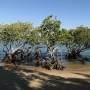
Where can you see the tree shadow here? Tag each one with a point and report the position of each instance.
(61, 83)
(11, 81)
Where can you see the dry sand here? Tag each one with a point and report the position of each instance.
(68, 79)
(74, 77)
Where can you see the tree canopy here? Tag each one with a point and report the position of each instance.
(49, 32)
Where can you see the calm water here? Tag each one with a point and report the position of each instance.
(86, 54)
(62, 51)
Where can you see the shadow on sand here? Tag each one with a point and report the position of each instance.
(60, 83)
(12, 81)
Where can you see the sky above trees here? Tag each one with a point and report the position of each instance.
(71, 13)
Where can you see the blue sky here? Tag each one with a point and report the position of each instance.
(72, 13)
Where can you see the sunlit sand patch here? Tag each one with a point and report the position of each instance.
(65, 74)
(25, 73)
(9, 67)
(36, 83)
(36, 80)
(71, 75)
(41, 76)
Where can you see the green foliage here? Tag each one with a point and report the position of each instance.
(82, 36)
(15, 31)
(65, 37)
(50, 30)
(34, 36)
(14, 35)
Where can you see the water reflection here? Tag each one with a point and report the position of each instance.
(58, 50)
